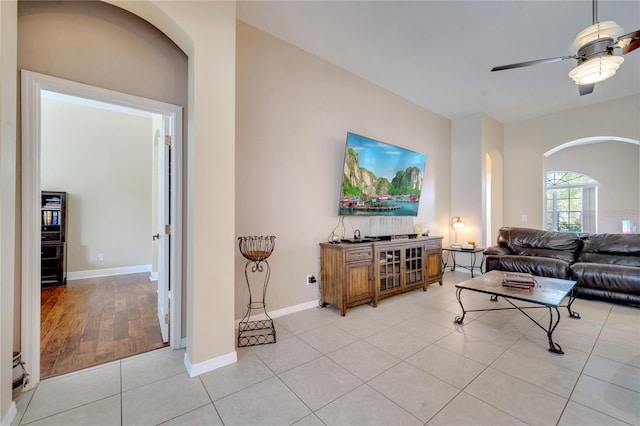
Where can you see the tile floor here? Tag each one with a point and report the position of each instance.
(402, 363)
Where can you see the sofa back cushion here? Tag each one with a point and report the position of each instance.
(535, 242)
(613, 249)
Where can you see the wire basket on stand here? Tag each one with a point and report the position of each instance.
(261, 331)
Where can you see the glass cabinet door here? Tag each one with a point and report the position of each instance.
(414, 271)
(389, 264)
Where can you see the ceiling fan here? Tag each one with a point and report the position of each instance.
(593, 48)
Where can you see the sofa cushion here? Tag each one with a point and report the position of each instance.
(535, 242)
(613, 278)
(540, 266)
(608, 295)
(614, 249)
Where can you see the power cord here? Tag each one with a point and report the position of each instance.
(333, 238)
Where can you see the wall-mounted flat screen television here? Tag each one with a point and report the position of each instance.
(380, 179)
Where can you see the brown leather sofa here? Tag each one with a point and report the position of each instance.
(605, 266)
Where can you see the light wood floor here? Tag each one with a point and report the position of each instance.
(97, 320)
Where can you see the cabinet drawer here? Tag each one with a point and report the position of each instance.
(359, 255)
(433, 244)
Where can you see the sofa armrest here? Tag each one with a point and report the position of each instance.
(495, 251)
(491, 263)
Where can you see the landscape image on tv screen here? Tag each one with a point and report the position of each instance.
(380, 179)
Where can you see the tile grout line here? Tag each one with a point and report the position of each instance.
(583, 374)
(488, 366)
(604, 328)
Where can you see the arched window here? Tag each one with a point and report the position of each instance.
(571, 202)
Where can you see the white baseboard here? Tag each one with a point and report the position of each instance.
(78, 275)
(212, 364)
(295, 308)
(11, 414)
(285, 311)
(153, 276)
(209, 365)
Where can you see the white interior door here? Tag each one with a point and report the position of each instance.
(163, 231)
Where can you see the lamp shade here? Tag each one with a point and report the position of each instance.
(456, 223)
(596, 69)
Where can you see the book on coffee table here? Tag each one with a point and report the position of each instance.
(518, 280)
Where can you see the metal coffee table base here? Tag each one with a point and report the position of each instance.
(553, 319)
(546, 293)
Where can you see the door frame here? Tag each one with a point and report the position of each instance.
(32, 85)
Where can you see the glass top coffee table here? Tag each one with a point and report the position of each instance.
(547, 293)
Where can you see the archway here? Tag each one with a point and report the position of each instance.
(31, 89)
(617, 195)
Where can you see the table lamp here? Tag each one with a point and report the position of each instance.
(456, 224)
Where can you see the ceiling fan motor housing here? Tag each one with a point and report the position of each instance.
(595, 48)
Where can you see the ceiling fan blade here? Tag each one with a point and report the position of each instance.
(629, 42)
(586, 89)
(529, 63)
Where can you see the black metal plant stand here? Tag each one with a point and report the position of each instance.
(256, 332)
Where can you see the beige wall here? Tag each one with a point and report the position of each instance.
(8, 178)
(293, 114)
(493, 202)
(466, 191)
(474, 197)
(206, 31)
(102, 159)
(617, 185)
(527, 141)
(95, 43)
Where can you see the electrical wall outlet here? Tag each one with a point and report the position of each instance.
(100, 256)
(310, 280)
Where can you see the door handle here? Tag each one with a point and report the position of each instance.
(156, 237)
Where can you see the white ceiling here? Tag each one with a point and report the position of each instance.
(439, 54)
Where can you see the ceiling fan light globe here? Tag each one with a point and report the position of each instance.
(606, 29)
(595, 70)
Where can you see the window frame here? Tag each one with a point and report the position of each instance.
(557, 183)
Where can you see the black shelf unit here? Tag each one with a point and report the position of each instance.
(53, 246)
